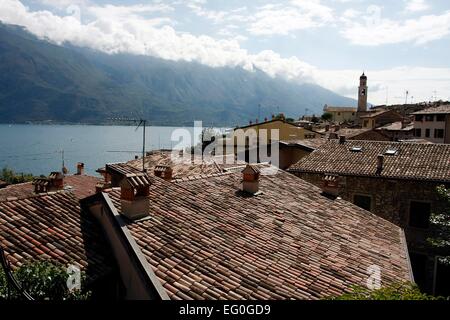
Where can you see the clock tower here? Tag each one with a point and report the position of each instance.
(362, 94)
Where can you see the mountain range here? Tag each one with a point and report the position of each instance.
(44, 82)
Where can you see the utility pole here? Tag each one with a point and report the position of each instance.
(140, 122)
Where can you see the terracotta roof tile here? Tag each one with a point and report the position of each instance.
(53, 227)
(411, 160)
(81, 185)
(208, 240)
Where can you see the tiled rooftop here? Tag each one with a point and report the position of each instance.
(308, 143)
(443, 109)
(81, 185)
(397, 126)
(184, 168)
(411, 161)
(206, 239)
(52, 227)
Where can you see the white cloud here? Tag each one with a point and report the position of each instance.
(416, 5)
(277, 19)
(377, 31)
(133, 29)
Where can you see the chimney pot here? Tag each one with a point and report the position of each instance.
(250, 182)
(80, 168)
(134, 193)
(330, 185)
(56, 181)
(380, 162)
(164, 172)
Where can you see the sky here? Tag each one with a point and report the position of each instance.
(401, 45)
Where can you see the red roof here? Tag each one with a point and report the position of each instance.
(81, 185)
(52, 227)
(205, 239)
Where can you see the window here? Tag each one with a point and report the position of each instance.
(427, 133)
(440, 117)
(353, 113)
(364, 202)
(417, 133)
(419, 214)
(419, 267)
(439, 133)
(339, 113)
(391, 152)
(419, 117)
(429, 117)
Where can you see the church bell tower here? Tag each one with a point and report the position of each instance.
(362, 94)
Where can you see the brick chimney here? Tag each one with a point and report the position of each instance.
(330, 185)
(102, 187)
(164, 172)
(134, 193)
(80, 168)
(250, 182)
(380, 162)
(40, 185)
(56, 181)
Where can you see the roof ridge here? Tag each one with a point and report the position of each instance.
(202, 176)
(36, 195)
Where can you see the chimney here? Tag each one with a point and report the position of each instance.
(136, 157)
(250, 122)
(41, 185)
(327, 128)
(273, 116)
(330, 185)
(134, 196)
(164, 172)
(337, 128)
(56, 181)
(342, 139)
(265, 119)
(102, 187)
(250, 182)
(80, 168)
(380, 162)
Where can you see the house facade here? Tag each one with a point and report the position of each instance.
(433, 124)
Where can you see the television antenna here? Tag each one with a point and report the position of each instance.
(139, 122)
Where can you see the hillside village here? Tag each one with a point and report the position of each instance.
(352, 190)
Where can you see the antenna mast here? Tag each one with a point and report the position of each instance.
(140, 122)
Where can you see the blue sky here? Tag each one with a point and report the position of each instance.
(401, 45)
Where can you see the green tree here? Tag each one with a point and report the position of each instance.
(440, 223)
(43, 280)
(11, 177)
(327, 116)
(397, 291)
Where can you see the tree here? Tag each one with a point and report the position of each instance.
(440, 223)
(327, 116)
(43, 280)
(12, 177)
(397, 291)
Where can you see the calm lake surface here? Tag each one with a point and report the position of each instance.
(37, 148)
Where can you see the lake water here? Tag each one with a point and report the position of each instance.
(37, 148)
